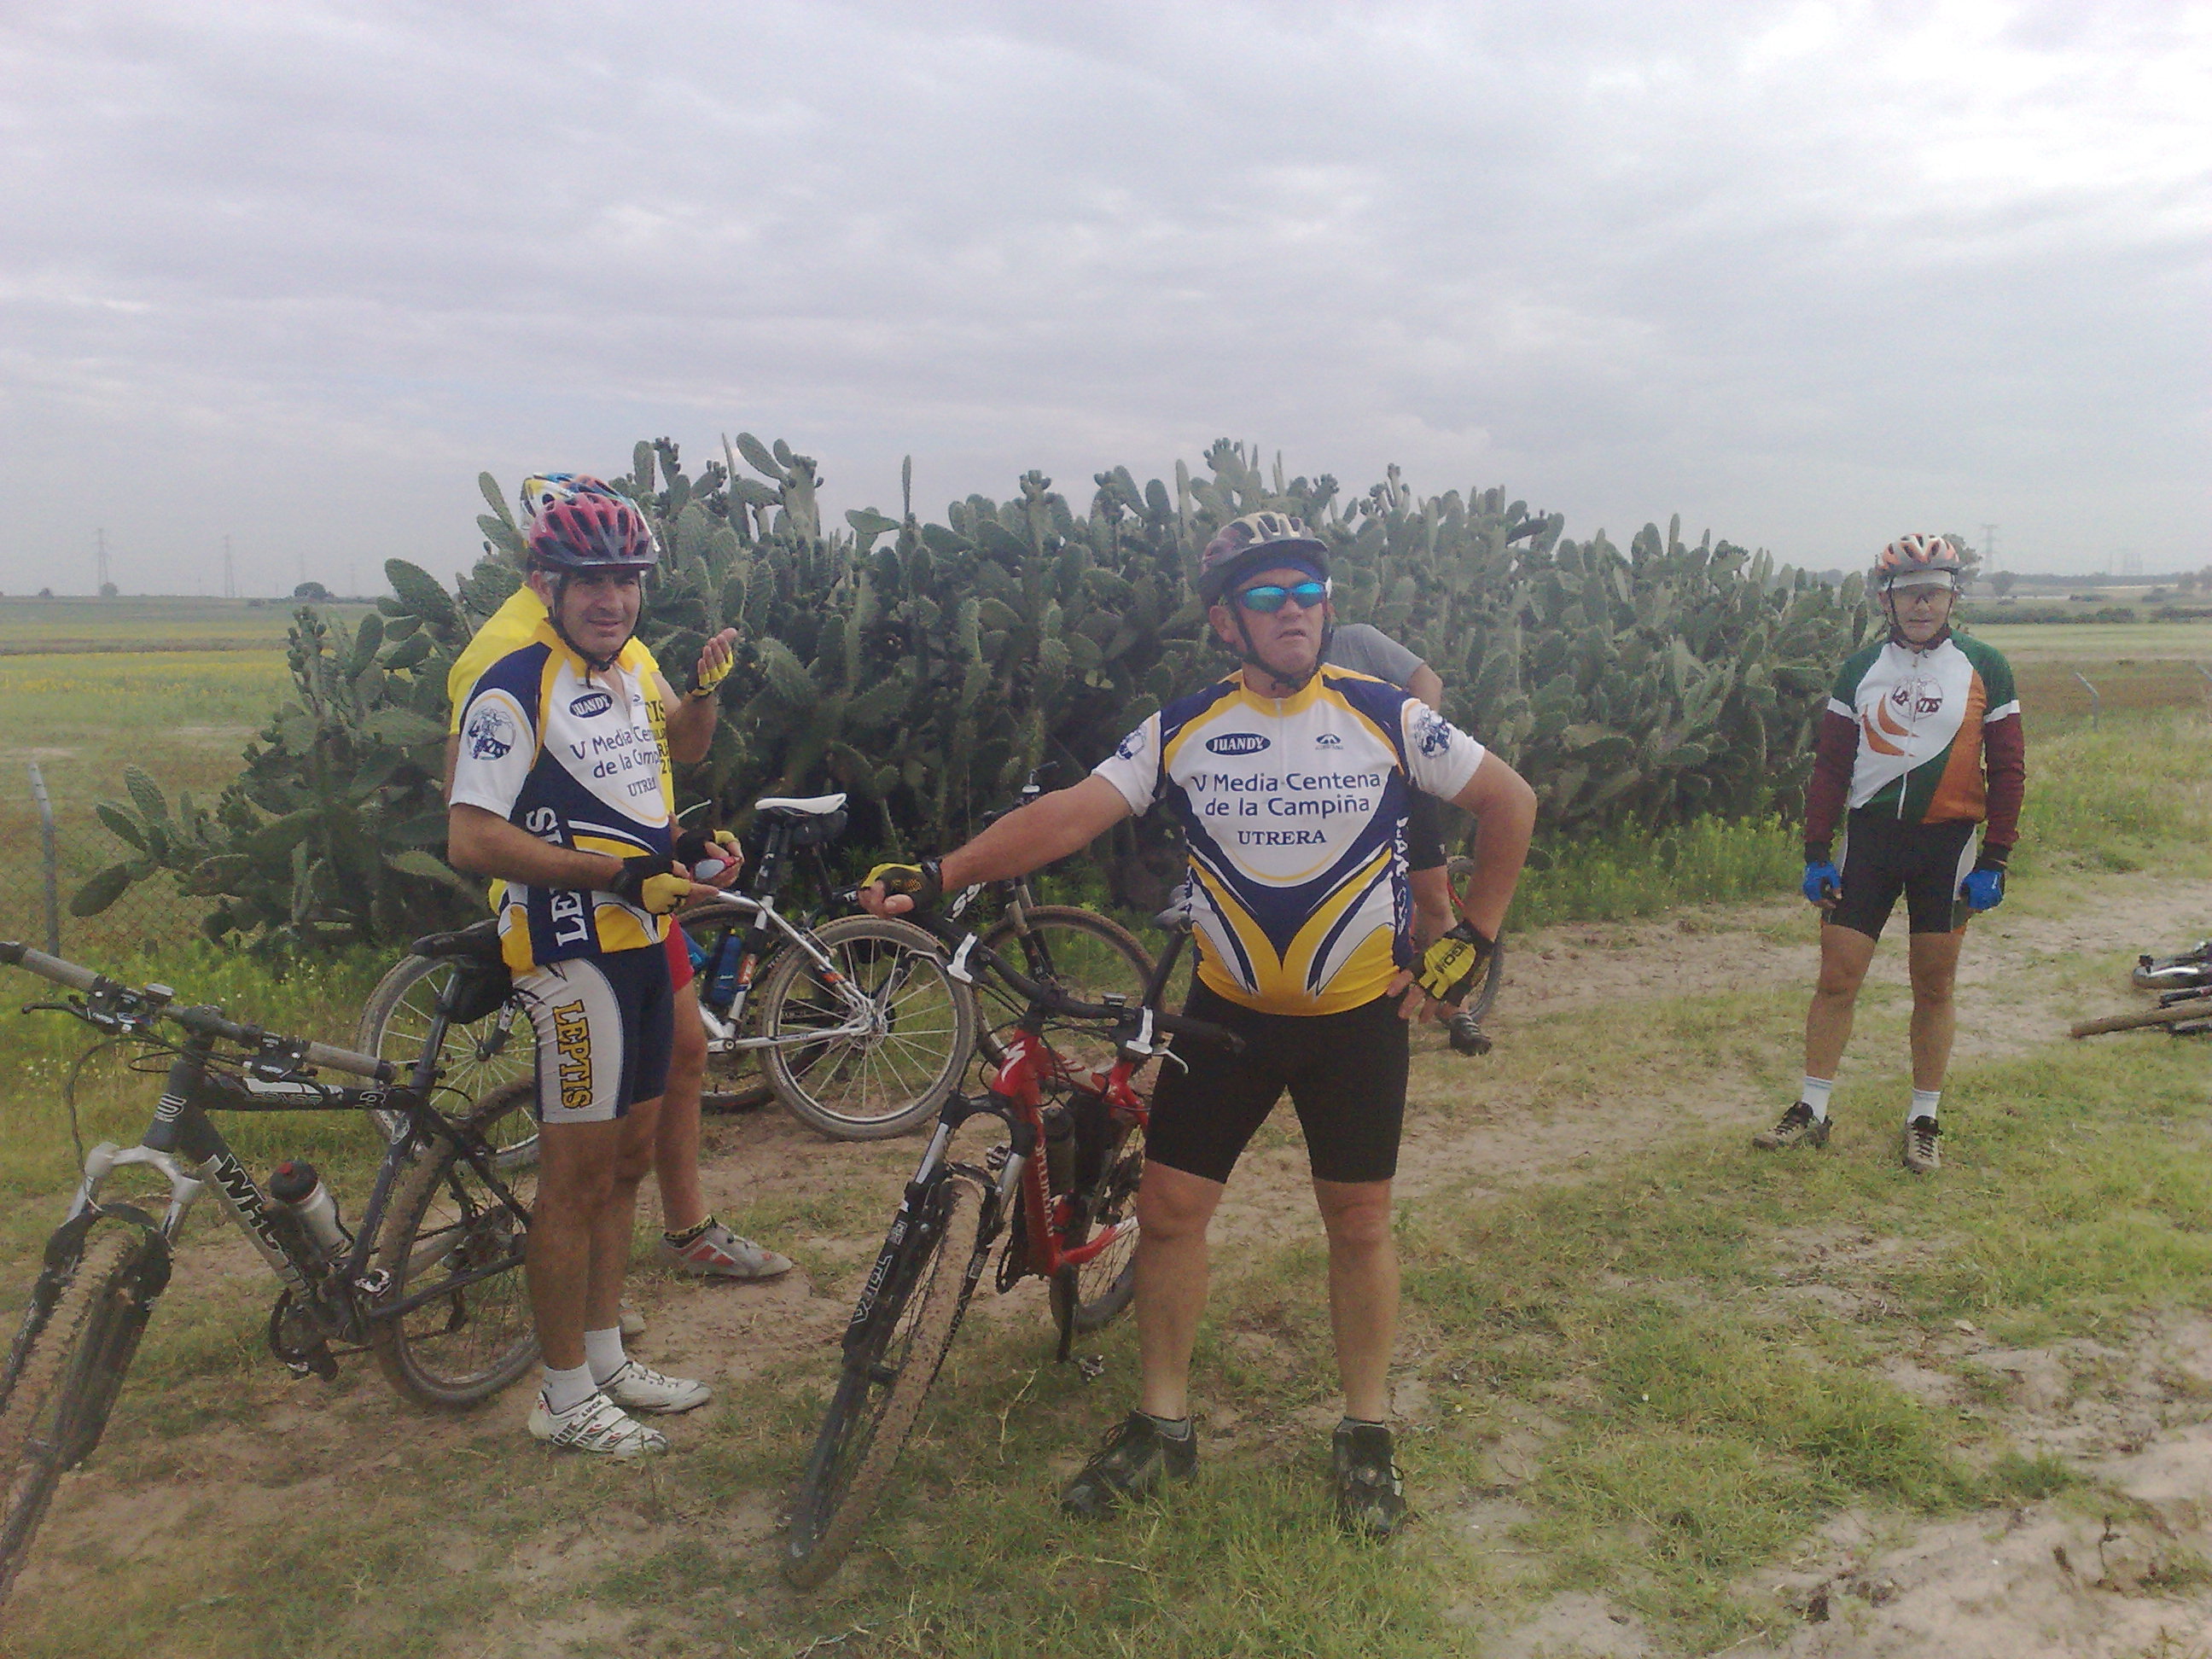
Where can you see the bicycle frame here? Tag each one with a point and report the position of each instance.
(727, 986)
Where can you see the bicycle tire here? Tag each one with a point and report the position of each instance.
(892, 1079)
(1104, 1285)
(460, 1348)
(2197, 1008)
(474, 1059)
(64, 1374)
(880, 1390)
(1076, 950)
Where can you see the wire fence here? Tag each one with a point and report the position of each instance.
(57, 845)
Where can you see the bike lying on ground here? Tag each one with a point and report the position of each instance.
(428, 1281)
(2184, 983)
(2189, 970)
(1061, 1188)
(857, 1028)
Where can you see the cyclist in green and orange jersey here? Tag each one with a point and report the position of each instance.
(1921, 746)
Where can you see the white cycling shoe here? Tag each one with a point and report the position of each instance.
(638, 1387)
(595, 1424)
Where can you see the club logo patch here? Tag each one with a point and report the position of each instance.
(490, 733)
(1431, 731)
(1131, 746)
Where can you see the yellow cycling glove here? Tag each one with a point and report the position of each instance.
(703, 681)
(1449, 966)
(918, 882)
(650, 882)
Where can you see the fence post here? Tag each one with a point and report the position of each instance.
(2096, 702)
(49, 860)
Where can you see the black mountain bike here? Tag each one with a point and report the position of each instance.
(427, 1280)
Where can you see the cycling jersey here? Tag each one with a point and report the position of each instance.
(509, 628)
(575, 758)
(1294, 809)
(1929, 736)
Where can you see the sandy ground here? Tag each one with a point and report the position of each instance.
(2029, 1582)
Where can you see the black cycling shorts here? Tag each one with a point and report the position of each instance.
(604, 1024)
(1346, 1073)
(1884, 856)
(1424, 838)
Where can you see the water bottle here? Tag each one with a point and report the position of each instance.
(1058, 1147)
(299, 1193)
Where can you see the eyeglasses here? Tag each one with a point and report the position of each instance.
(1925, 595)
(1269, 598)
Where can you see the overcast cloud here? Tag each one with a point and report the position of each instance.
(1808, 274)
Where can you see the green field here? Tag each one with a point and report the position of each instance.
(154, 622)
(2100, 642)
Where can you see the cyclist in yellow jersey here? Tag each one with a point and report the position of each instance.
(1291, 781)
(693, 1239)
(557, 791)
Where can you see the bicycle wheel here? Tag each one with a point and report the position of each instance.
(880, 1390)
(1102, 1288)
(450, 1240)
(64, 1373)
(876, 1066)
(1086, 956)
(474, 1059)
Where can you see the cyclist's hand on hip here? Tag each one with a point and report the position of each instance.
(1446, 973)
(650, 882)
(896, 890)
(1824, 882)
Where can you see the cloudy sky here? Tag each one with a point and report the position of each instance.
(1808, 274)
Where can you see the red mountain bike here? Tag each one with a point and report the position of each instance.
(1061, 1188)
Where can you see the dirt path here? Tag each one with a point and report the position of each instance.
(1930, 1594)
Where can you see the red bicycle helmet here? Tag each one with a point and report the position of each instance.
(580, 524)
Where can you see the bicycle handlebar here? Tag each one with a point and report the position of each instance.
(209, 1022)
(966, 946)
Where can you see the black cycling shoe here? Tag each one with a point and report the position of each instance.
(1371, 1493)
(1468, 1036)
(1134, 1461)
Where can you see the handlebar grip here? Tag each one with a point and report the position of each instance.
(1203, 1029)
(345, 1059)
(46, 967)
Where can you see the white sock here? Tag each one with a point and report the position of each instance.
(1924, 1103)
(566, 1390)
(602, 1353)
(1814, 1092)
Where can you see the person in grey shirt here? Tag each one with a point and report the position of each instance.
(1367, 650)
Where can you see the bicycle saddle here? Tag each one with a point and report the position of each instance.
(479, 941)
(807, 806)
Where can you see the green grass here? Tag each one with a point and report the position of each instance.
(2086, 644)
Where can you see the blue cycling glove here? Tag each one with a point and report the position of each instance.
(1824, 882)
(1985, 884)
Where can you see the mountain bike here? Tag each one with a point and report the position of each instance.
(2183, 1012)
(426, 1281)
(855, 1026)
(1061, 1188)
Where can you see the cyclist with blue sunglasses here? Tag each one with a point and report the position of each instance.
(1292, 781)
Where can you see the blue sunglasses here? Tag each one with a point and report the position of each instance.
(1269, 598)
